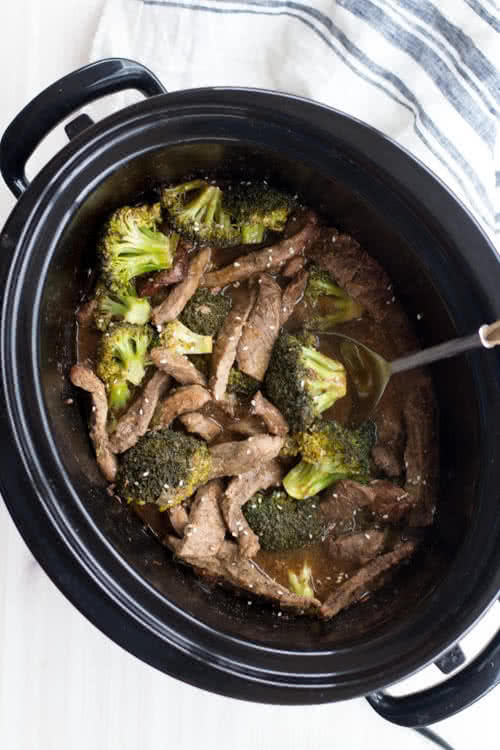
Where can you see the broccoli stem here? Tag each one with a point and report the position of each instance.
(252, 233)
(119, 394)
(306, 480)
(302, 584)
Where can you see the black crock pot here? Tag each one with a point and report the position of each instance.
(96, 551)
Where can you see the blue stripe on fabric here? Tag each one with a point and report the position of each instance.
(484, 14)
(416, 110)
(468, 53)
(428, 60)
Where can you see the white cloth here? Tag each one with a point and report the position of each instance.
(425, 73)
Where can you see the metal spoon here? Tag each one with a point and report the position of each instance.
(370, 372)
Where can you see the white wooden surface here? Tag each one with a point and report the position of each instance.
(64, 685)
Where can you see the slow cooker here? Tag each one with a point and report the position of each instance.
(97, 552)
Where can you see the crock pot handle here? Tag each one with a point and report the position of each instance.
(449, 697)
(60, 100)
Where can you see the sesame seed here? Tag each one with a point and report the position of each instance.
(181, 483)
(141, 412)
(419, 316)
(272, 328)
(244, 348)
(163, 361)
(248, 451)
(237, 317)
(136, 483)
(236, 284)
(250, 585)
(94, 407)
(145, 474)
(334, 239)
(236, 264)
(146, 400)
(280, 613)
(249, 603)
(165, 486)
(393, 299)
(367, 536)
(386, 515)
(69, 401)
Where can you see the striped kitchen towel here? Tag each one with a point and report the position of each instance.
(425, 73)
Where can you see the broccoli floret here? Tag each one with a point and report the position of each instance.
(195, 209)
(338, 307)
(131, 245)
(183, 340)
(302, 584)
(164, 467)
(122, 359)
(330, 452)
(256, 208)
(205, 312)
(282, 523)
(120, 304)
(241, 384)
(302, 382)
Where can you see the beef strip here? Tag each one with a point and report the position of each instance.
(293, 267)
(421, 452)
(178, 366)
(184, 399)
(205, 427)
(135, 422)
(86, 311)
(174, 304)
(261, 330)
(84, 378)
(268, 259)
(292, 295)
(385, 500)
(357, 549)
(365, 580)
(226, 344)
(229, 459)
(387, 461)
(247, 426)
(238, 492)
(178, 517)
(273, 418)
(205, 531)
(151, 284)
(229, 566)
(354, 270)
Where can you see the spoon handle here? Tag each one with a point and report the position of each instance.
(487, 336)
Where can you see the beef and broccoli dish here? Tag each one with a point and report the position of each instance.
(220, 406)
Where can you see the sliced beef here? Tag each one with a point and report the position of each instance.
(226, 344)
(238, 492)
(272, 417)
(229, 459)
(229, 566)
(265, 260)
(388, 502)
(171, 308)
(421, 451)
(178, 366)
(178, 517)
(205, 531)
(293, 267)
(135, 422)
(387, 460)
(357, 549)
(261, 330)
(367, 579)
(354, 270)
(182, 400)
(201, 425)
(247, 426)
(83, 377)
(85, 313)
(151, 284)
(292, 295)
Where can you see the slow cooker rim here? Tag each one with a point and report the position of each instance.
(47, 198)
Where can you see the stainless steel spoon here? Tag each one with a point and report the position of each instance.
(370, 372)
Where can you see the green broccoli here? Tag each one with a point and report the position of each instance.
(122, 359)
(164, 467)
(132, 245)
(255, 208)
(195, 210)
(282, 523)
(206, 312)
(241, 384)
(302, 584)
(183, 340)
(301, 382)
(330, 452)
(336, 305)
(121, 304)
